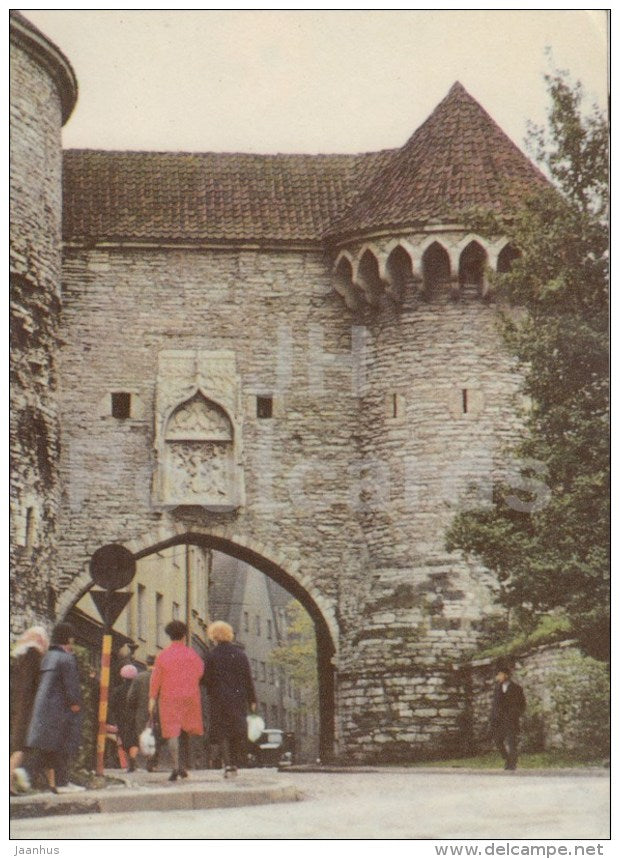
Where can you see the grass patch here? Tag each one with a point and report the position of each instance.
(527, 760)
(549, 629)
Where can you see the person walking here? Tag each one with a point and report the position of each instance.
(28, 652)
(507, 708)
(230, 687)
(138, 708)
(175, 686)
(55, 727)
(122, 716)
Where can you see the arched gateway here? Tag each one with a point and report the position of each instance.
(278, 568)
(281, 347)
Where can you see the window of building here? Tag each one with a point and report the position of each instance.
(269, 630)
(274, 714)
(263, 672)
(257, 625)
(464, 400)
(30, 527)
(246, 621)
(264, 407)
(159, 620)
(141, 597)
(121, 405)
(176, 611)
(272, 675)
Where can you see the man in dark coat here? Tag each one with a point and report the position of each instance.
(230, 687)
(507, 708)
(55, 726)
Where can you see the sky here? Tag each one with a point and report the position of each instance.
(309, 81)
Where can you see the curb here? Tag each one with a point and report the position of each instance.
(163, 799)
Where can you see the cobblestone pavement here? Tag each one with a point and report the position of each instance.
(384, 804)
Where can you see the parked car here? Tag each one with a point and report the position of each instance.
(273, 748)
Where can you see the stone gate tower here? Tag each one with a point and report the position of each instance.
(293, 359)
(43, 94)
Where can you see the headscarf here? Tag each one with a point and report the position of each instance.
(35, 637)
(128, 672)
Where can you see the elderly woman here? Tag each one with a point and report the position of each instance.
(28, 652)
(175, 682)
(55, 727)
(122, 716)
(231, 690)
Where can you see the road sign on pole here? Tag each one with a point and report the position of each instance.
(111, 567)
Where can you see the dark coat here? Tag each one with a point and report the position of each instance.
(121, 715)
(230, 687)
(138, 704)
(24, 682)
(507, 707)
(54, 727)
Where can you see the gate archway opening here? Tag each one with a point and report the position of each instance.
(325, 645)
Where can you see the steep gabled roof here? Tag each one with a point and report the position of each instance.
(457, 159)
(202, 197)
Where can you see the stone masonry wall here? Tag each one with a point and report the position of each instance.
(429, 459)
(370, 551)
(35, 214)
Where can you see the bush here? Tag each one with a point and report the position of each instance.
(85, 759)
(574, 706)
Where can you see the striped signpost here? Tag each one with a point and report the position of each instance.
(111, 567)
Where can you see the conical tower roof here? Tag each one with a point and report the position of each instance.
(457, 159)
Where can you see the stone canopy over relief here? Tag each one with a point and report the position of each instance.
(198, 431)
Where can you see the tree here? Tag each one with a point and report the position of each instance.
(554, 556)
(297, 654)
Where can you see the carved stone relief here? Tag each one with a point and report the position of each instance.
(198, 431)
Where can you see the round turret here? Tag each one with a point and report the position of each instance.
(43, 92)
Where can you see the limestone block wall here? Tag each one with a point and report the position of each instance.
(438, 411)
(354, 497)
(35, 217)
(275, 311)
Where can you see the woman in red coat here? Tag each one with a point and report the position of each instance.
(174, 682)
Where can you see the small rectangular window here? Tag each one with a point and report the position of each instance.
(246, 621)
(464, 396)
(264, 407)
(121, 405)
(269, 630)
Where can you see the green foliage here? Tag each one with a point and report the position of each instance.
(297, 655)
(548, 542)
(85, 757)
(548, 629)
(573, 707)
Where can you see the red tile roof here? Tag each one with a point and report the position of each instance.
(153, 196)
(458, 158)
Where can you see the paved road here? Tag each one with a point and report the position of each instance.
(387, 804)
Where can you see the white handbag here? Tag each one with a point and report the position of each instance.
(256, 726)
(147, 742)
